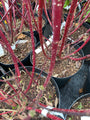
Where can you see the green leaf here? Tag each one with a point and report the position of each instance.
(14, 107)
(80, 106)
(32, 113)
(88, 19)
(67, 2)
(70, 119)
(49, 96)
(41, 87)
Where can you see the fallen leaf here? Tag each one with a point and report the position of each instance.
(47, 102)
(56, 102)
(21, 36)
(80, 90)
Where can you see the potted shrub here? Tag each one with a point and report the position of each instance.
(19, 106)
(63, 70)
(69, 41)
(86, 12)
(21, 49)
(20, 43)
(87, 22)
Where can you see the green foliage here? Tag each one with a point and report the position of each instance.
(67, 2)
(88, 20)
(49, 96)
(70, 118)
(14, 108)
(41, 87)
(80, 106)
(32, 113)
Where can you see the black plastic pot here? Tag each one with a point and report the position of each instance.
(46, 29)
(86, 87)
(25, 62)
(77, 100)
(86, 48)
(43, 17)
(36, 34)
(86, 25)
(63, 81)
(42, 73)
(75, 87)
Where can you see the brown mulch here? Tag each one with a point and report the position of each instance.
(21, 51)
(63, 68)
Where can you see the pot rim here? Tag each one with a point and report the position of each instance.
(29, 68)
(80, 97)
(81, 52)
(11, 65)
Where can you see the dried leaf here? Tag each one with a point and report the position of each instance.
(78, 64)
(47, 102)
(76, 25)
(21, 36)
(80, 90)
(56, 102)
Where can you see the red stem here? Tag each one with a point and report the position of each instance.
(45, 9)
(10, 16)
(5, 113)
(84, 10)
(7, 17)
(53, 117)
(13, 8)
(56, 18)
(80, 24)
(28, 6)
(22, 20)
(68, 22)
(68, 56)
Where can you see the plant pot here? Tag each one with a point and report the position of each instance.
(86, 25)
(86, 49)
(36, 34)
(61, 81)
(46, 29)
(86, 87)
(75, 87)
(82, 102)
(44, 20)
(25, 61)
(42, 75)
